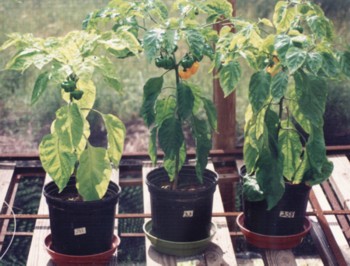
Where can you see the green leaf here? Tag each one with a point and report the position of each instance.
(170, 162)
(151, 91)
(23, 60)
(295, 58)
(210, 110)
(152, 145)
(229, 76)
(259, 90)
(171, 137)
(345, 63)
(291, 148)
(171, 37)
(88, 100)
(185, 100)
(202, 136)
(218, 8)
(321, 27)
(282, 44)
(57, 160)
(93, 173)
(195, 41)
(251, 189)
(311, 95)
(69, 125)
(269, 171)
(330, 64)
(284, 16)
(122, 43)
(152, 41)
(279, 12)
(314, 62)
(40, 86)
(109, 71)
(115, 135)
(316, 149)
(165, 108)
(279, 85)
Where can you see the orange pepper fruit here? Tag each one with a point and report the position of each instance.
(194, 68)
(185, 73)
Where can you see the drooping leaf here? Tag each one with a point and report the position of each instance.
(69, 125)
(93, 173)
(23, 60)
(269, 170)
(321, 27)
(40, 86)
(151, 91)
(295, 58)
(314, 62)
(291, 148)
(57, 160)
(210, 110)
(185, 100)
(195, 42)
(282, 44)
(279, 85)
(251, 189)
(202, 135)
(170, 136)
(345, 63)
(229, 76)
(108, 70)
(311, 93)
(170, 162)
(152, 145)
(165, 108)
(152, 41)
(259, 90)
(171, 37)
(330, 64)
(115, 135)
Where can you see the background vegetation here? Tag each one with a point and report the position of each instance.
(23, 125)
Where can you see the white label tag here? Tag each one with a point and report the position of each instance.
(79, 231)
(187, 214)
(286, 214)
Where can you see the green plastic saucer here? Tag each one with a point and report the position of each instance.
(178, 248)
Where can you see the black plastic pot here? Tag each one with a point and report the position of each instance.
(81, 227)
(181, 215)
(286, 218)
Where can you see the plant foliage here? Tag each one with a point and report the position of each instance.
(293, 55)
(176, 44)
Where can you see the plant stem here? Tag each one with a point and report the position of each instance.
(177, 156)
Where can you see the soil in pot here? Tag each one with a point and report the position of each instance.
(81, 227)
(181, 215)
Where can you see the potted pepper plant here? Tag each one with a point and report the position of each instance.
(176, 45)
(81, 198)
(292, 57)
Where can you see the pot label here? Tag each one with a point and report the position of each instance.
(287, 214)
(79, 231)
(187, 214)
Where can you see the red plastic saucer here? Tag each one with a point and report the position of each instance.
(95, 259)
(273, 242)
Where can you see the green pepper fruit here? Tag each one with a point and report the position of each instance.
(77, 94)
(166, 62)
(187, 61)
(68, 86)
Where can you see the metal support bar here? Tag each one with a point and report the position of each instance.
(326, 229)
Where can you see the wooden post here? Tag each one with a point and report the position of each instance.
(225, 138)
